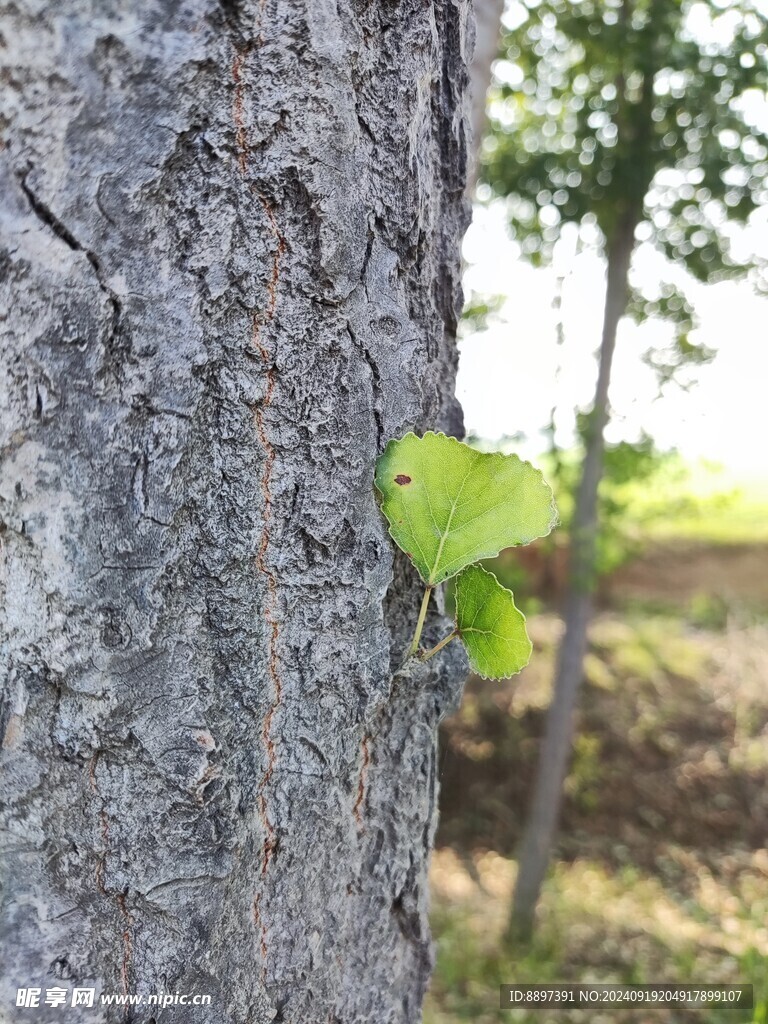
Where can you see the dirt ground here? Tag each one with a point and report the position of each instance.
(681, 571)
(671, 742)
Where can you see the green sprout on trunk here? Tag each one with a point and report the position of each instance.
(448, 506)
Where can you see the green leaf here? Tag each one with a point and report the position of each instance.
(449, 505)
(490, 626)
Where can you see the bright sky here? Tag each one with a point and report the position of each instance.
(508, 375)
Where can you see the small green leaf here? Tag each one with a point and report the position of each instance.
(491, 627)
(449, 505)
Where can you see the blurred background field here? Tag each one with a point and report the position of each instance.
(614, 333)
(660, 870)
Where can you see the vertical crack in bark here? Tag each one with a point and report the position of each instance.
(49, 218)
(361, 785)
(260, 320)
(376, 376)
(120, 900)
(376, 383)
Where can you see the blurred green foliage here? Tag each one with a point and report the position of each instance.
(604, 107)
(478, 312)
(628, 467)
(680, 354)
(633, 121)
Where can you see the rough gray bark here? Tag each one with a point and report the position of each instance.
(555, 751)
(230, 257)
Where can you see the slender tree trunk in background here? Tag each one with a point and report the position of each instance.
(487, 30)
(556, 744)
(231, 272)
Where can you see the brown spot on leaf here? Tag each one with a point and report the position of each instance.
(402, 479)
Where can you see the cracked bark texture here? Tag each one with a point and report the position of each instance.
(229, 254)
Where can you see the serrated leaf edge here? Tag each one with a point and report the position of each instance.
(554, 516)
(495, 679)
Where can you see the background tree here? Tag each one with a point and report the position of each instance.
(487, 29)
(628, 117)
(230, 261)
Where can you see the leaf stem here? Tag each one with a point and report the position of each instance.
(438, 647)
(420, 623)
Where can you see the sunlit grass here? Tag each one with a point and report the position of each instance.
(707, 505)
(597, 925)
(699, 501)
(744, 520)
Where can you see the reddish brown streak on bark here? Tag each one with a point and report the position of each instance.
(101, 868)
(260, 319)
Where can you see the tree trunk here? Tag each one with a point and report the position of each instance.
(487, 28)
(556, 745)
(231, 240)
